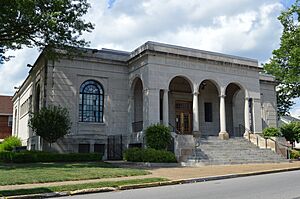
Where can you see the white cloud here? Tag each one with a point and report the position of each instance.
(295, 111)
(14, 72)
(246, 28)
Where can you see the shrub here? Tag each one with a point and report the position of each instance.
(158, 137)
(149, 155)
(51, 123)
(291, 131)
(271, 132)
(295, 154)
(39, 156)
(9, 143)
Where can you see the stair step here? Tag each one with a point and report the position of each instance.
(233, 151)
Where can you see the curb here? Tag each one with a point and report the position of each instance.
(148, 185)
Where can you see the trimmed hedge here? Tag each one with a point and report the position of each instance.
(149, 155)
(39, 156)
(158, 137)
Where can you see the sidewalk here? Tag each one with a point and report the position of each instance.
(182, 173)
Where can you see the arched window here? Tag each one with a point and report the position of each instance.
(91, 102)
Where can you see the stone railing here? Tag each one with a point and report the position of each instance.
(276, 144)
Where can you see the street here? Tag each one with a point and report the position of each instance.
(271, 186)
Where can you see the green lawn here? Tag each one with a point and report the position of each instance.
(78, 186)
(51, 172)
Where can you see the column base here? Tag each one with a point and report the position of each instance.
(224, 135)
(246, 134)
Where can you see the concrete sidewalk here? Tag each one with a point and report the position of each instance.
(182, 173)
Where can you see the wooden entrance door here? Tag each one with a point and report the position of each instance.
(184, 116)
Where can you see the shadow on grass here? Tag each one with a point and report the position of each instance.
(25, 191)
(33, 166)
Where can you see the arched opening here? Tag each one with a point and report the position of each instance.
(91, 103)
(234, 109)
(181, 104)
(137, 124)
(209, 108)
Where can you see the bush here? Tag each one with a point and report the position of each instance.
(271, 132)
(158, 137)
(291, 131)
(39, 156)
(295, 154)
(149, 155)
(9, 143)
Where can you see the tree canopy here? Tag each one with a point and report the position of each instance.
(41, 23)
(285, 61)
(51, 123)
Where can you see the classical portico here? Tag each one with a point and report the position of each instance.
(200, 93)
(206, 109)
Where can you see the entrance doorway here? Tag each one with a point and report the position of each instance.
(184, 115)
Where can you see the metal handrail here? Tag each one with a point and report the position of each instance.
(288, 148)
(175, 130)
(137, 126)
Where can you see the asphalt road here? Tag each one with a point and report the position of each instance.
(270, 186)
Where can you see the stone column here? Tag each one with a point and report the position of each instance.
(195, 113)
(166, 107)
(246, 117)
(223, 133)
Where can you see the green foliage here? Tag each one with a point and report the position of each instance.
(149, 155)
(158, 137)
(285, 61)
(9, 143)
(295, 154)
(291, 131)
(38, 156)
(271, 132)
(51, 123)
(38, 23)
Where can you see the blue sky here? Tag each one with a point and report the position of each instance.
(246, 28)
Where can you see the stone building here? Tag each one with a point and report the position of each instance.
(110, 92)
(6, 116)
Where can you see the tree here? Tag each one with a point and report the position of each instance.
(42, 23)
(51, 123)
(291, 132)
(285, 61)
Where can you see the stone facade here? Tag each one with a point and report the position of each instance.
(193, 91)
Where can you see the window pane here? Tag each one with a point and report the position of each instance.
(208, 111)
(91, 101)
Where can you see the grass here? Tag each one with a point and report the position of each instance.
(78, 187)
(11, 174)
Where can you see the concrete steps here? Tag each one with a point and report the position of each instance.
(213, 151)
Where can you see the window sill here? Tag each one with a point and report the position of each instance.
(92, 123)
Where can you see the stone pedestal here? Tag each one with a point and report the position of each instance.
(223, 135)
(246, 135)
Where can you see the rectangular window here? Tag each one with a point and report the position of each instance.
(83, 148)
(99, 148)
(208, 111)
(10, 120)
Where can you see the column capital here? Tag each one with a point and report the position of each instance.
(195, 93)
(222, 96)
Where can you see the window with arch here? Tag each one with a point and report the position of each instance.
(91, 102)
